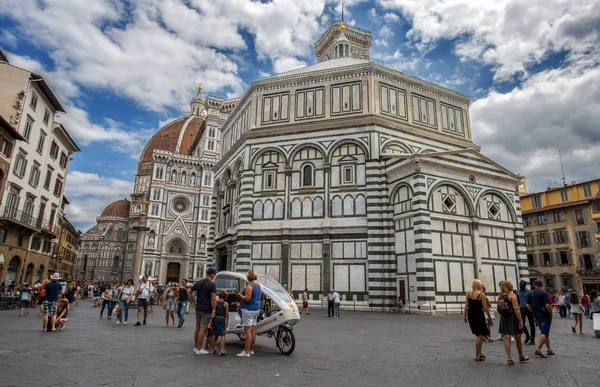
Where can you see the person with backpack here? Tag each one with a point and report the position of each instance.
(511, 321)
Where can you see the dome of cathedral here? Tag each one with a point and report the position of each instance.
(177, 136)
(119, 209)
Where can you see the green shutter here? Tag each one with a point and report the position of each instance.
(569, 257)
(581, 262)
(586, 218)
(557, 258)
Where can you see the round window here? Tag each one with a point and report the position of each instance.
(180, 205)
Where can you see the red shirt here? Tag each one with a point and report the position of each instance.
(585, 300)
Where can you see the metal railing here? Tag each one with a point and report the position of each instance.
(18, 216)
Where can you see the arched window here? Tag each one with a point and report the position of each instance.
(193, 179)
(268, 210)
(174, 176)
(199, 271)
(307, 176)
(183, 177)
(202, 243)
(148, 268)
(115, 263)
(360, 205)
(306, 208)
(278, 209)
(258, 210)
(336, 206)
(158, 173)
(296, 208)
(318, 207)
(348, 205)
(151, 238)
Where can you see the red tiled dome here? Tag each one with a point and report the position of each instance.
(119, 209)
(170, 137)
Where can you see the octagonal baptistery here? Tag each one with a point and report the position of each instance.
(350, 175)
(105, 254)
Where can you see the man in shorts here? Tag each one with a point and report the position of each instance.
(52, 290)
(144, 294)
(542, 310)
(206, 305)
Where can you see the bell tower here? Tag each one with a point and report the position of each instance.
(343, 41)
(197, 105)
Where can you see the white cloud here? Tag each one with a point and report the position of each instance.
(285, 64)
(391, 18)
(90, 193)
(510, 35)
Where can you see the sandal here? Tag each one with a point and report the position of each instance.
(511, 363)
(550, 353)
(540, 354)
(523, 358)
(482, 358)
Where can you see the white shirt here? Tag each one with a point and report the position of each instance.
(336, 297)
(561, 300)
(146, 288)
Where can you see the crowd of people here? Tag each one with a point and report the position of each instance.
(519, 307)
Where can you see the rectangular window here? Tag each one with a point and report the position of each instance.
(544, 238)
(34, 100)
(452, 119)
(269, 180)
(275, 108)
(564, 257)
(529, 240)
(423, 110)
(561, 237)
(63, 160)
(530, 260)
(583, 239)
(20, 165)
(348, 174)
(541, 219)
(547, 259)
(58, 186)
(211, 145)
(28, 128)
(6, 148)
(392, 101)
(48, 178)
(211, 132)
(564, 195)
(40, 145)
(536, 201)
(559, 217)
(34, 175)
(46, 117)
(587, 190)
(54, 150)
(204, 214)
(579, 218)
(587, 262)
(346, 98)
(596, 206)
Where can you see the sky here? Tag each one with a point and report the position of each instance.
(122, 69)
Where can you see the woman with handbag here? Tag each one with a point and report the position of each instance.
(125, 297)
(511, 321)
(169, 302)
(107, 300)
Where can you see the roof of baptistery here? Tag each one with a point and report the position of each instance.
(177, 136)
(118, 209)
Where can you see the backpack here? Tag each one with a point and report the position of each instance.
(505, 306)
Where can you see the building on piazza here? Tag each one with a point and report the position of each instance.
(351, 175)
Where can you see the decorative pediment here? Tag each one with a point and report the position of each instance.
(177, 229)
(270, 165)
(348, 159)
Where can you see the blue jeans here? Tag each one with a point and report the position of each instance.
(106, 303)
(181, 305)
(336, 308)
(123, 306)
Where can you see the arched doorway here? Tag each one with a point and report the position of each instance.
(29, 273)
(173, 269)
(13, 269)
(40, 273)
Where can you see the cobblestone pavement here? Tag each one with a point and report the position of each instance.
(360, 349)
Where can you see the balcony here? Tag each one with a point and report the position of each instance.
(48, 227)
(19, 218)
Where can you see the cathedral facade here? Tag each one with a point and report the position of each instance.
(344, 174)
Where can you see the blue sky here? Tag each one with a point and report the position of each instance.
(124, 68)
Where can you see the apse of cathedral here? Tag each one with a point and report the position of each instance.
(344, 174)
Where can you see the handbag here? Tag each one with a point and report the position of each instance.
(116, 310)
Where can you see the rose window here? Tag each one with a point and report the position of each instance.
(180, 205)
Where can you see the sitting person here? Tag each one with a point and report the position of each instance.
(398, 305)
(62, 312)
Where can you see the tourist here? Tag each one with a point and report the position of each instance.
(71, 294)
(107, 300)
(97, 294)
(476, 308)
(250, 300)
(50, 292)
(330, 310)
(398, 305)
(41, 295)
(511, 322)
(169, 301)
(336, 303)
(25, 296)
(91, 292)
(36, 293)
(585, 302)
(542, 310)
(221, 321)
(594, 303)
(206, 305)
(62, 314)
(489, 320)
(125, 297)
(567, 293)
(182, 303)
(524, 296)
(562, 305)
(144, 294)
(304, 301)
(577, 312)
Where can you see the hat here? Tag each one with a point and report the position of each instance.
(55, 277)
(211, 270)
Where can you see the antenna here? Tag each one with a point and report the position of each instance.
(562, 168)
(342, 11)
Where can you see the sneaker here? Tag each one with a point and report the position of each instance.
(499, 337)
(222, 353)
(252, 353)
(243, 354)
(532, 342)
(137, 324)
(125, 323)
(118, 323)
(144, 322)
(202, 352)
(512, 339)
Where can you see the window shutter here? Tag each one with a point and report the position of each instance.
(585, 216)
(589, 238)
(593, 262)
(537, 239)
(557, 257)
(581, 263)
(574, 218)
(569, 258)
(578, 240)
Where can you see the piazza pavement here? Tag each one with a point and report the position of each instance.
(360, 349)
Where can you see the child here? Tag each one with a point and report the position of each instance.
(220, 322)
(62, 312)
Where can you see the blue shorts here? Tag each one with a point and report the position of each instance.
(218, 327)
(544, 325)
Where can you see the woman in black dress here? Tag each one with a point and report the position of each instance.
(511, 322)
(475, 307)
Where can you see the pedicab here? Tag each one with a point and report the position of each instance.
(279, 313)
